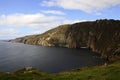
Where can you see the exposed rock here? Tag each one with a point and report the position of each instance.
(28, 68)
(101, 36)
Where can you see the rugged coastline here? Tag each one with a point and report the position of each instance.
(101, 36)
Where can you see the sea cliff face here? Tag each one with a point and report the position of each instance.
(102, 36)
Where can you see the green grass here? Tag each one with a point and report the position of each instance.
(109, 72)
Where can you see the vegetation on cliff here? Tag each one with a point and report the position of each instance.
(104, 72)
(102, 36)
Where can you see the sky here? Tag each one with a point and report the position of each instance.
(26, 17)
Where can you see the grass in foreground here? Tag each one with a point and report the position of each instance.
(109, 72)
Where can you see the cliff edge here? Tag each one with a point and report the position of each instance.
(102, 36)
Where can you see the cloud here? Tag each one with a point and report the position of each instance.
(53, 12)
(9, 33)
(30, 20)
(37, 23)
(88, 6)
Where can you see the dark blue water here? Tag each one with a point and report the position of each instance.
(14, 56)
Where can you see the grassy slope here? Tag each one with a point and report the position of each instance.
(109, 72)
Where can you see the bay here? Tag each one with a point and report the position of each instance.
(14, 56)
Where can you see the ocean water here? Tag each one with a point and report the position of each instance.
(14, 56)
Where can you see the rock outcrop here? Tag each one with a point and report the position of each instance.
(102, 36)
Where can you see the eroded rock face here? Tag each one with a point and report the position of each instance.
(101, 36)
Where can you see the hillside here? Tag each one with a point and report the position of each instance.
(109, 72)
(102, 36)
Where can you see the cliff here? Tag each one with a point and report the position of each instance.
(102, 36)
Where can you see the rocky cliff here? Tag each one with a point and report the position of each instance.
(102, 36)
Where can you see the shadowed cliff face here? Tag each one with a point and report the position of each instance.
(101, 36)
